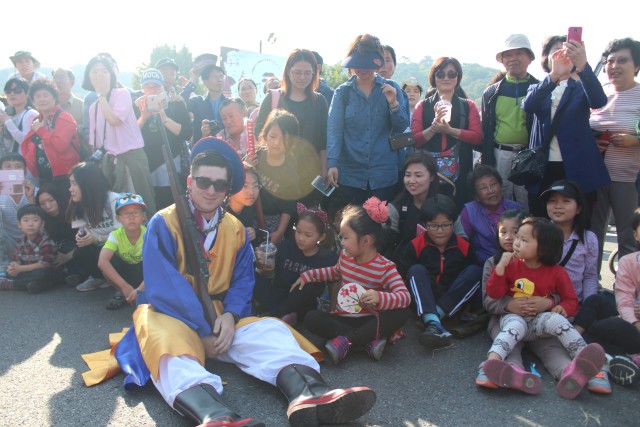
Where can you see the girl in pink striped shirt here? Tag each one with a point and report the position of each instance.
(386, 298)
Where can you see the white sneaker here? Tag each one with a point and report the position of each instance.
(90, 284)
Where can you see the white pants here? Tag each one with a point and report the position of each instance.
(261, 349)
(509, 190)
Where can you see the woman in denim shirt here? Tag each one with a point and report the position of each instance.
(365, 110)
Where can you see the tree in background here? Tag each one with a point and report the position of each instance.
(183, 58)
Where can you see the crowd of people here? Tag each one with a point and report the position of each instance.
(434, 229)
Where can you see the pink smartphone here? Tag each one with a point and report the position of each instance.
(575, 33)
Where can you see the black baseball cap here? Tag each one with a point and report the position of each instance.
(167, 61)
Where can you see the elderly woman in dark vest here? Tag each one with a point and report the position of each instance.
(448, 137)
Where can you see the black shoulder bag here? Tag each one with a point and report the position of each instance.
(528, 165)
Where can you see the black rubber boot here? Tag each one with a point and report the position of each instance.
(204, 406)
(312, 402)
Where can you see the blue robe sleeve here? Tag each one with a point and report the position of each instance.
(238, 297)
(166, 288)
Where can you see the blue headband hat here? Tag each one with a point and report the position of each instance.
(228, 153)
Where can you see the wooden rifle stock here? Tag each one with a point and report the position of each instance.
(196, 261)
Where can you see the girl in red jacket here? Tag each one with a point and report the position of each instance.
(532, 270)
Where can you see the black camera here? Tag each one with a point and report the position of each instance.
(36, 139)
(215, 126)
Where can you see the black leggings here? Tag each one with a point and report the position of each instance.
(86, 258)
(599, 318)
(276, 300)
(358, 330)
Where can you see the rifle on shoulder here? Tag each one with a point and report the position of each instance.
(196, 261)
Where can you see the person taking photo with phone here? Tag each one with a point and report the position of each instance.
(153, 110)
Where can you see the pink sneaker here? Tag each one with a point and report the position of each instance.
(337, 348)
(582, 368)
(504, 374)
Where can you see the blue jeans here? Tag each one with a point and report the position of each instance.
(428, 294)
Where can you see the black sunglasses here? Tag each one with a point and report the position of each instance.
(219, 185)
(452, 74)
(16, 90)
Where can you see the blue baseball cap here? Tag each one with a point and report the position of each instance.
(151, 75)
(129, 199)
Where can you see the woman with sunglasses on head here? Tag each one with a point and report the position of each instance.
(16, 118)
(619, 142)
(92, 211)
(447, 125)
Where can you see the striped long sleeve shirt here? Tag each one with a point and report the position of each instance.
(379, 274)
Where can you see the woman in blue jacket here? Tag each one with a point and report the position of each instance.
(570, 89)
(364, 111)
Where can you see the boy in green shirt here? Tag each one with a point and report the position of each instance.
(124, 269)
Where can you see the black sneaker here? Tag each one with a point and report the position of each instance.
(37, 286)
(623, 370)
(435, 336)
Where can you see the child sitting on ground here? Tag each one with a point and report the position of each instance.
(532, 270)
(385, 298)
(124, 269)
(30, 267)
(9, 204)
(439, 269)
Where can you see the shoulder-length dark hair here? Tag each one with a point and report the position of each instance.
(549, 237)
(109, 65)
(428, 162)
(60, 195)
(546, 50)
(298, 55)
(438, 65)
(94, 189)
(287, 123)
(43, 84)
(626, 43)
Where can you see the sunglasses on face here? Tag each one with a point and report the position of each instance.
(16, 90)
(219, 185)
(452, 74)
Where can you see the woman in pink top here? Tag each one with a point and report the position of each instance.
(114, 131)
(615, 125)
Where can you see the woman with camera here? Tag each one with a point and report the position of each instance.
(52, 146)
(17, 117)
(113, 129)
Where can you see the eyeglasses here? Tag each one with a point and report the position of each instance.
(619, 61)
(255, 187)
(134, 214)
(16, 90)
(300, 73)
(452, 74)
(443, 227)
(219, 185)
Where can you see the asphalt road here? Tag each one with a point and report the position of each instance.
(41, 385)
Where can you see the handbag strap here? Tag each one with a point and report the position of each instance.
(554, 125)
(567, 257)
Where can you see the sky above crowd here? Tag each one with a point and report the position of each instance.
(71, 32)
